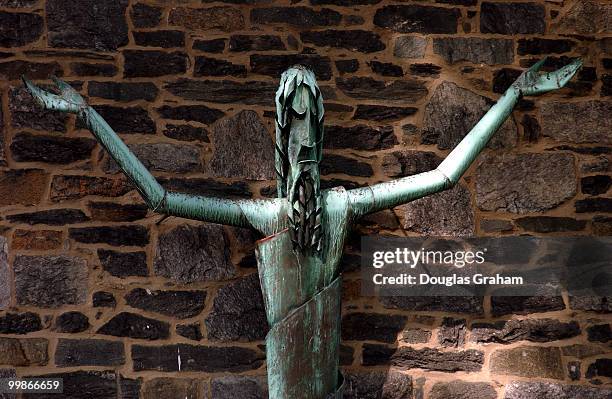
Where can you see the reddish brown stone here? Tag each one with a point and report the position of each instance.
(37, 240)
(74, 186)
(22, 186)
(225, 19)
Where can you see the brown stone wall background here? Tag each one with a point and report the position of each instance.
(93, 288)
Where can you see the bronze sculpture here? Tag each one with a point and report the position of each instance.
(305, 226)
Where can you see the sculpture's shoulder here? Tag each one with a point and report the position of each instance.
(268, 216)
(336, 208)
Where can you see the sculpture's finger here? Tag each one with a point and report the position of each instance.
(532, 83)
(566, 73)
(49, 100)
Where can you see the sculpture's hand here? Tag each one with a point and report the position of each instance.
(390, 194)
(259, 214)
(70, 101)
(534, 83)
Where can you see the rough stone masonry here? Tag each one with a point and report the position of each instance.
(94, 290)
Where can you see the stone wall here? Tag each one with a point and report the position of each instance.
(98, 290)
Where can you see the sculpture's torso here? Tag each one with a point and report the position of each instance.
(302, 296)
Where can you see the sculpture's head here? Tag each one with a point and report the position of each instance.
(299, 147)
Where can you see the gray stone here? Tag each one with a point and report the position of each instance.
(378, 384)
(238, 43)
(50, 281)
(123, 91)
(18, 29)
(534, 330)
(28, 147)
(123, 264)
(381, 113)
(190, 331)
(550, 224)
(145, 16)
(549, 390)
(89, 352)
(600, 368)
(13, 70)
(189, 253)
(238, 312)
(128, 120)
(586, 17)
(470, 304)
(503, 303)
(224, 91)
(296, 15)
(25, 113)
(179, 304)
(474, 49)
(364, 41)
(452, 214)
(372, 327)
(578, 122)
(17, 3)
(332, 163)
(71, 322)
(415, 336)
(91, 24)
(495, 225)
(210, 359)
(597, 164)
(5, 275)
(359, 137)
(133, 325)
(512, 18)
(20, 323)
(132, 234)
(417, 18)
(53, 217)
(452, 332)
(274, 65)
(453, 111)
(163, 157)
(405, 90)
(243, 148)
(410, 47)
(164, 387)
(406, 358)
(601, 304)
(521, 183)
(236, 386)
(528, 361)
(91, 384)
(153, 63)
(582, 351)
(458, 389)
(409, 162)
(7, 373)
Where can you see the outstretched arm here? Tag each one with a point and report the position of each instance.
(396, 192)
(245, 213)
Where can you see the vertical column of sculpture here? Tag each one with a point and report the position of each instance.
(298, 266)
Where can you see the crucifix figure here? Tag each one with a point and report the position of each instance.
(305, 227)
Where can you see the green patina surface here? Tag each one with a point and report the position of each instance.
(305, 226)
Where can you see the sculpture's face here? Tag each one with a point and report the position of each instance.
(299, 136)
